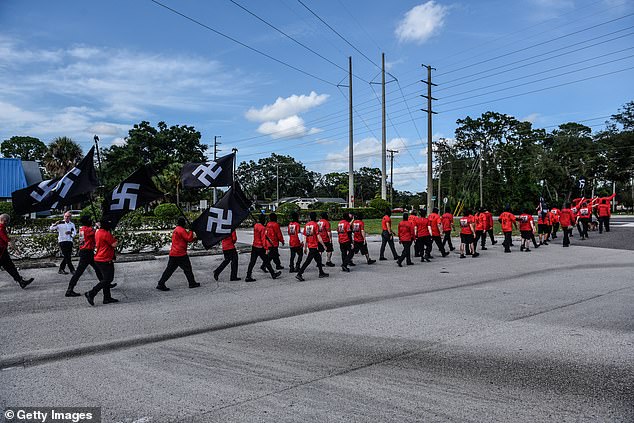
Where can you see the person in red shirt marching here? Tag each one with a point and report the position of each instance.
(105, 244)
(527, 229)
(554, 221)
(435, 223)
(467, 229)
(566, 219)
(313, 241)
(387, 235)
(178, 256)
(603, 212)
(86, 255)
(543, 227)
(447, 225)
(344, 236)
(423, 236)
(360, 241)
(489, 225)
(295, 243)
(259, 250)
(230, 256)
(413, 218)
(5, 259)
(324, 231)
(274, 238)
(480, 229)
(585, 214)
(405, 237)
(507, 221)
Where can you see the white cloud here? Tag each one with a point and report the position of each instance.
(421, 22)
(119, 142)
(286, 107)
(290, 127)
(106, 129)
(530, 118)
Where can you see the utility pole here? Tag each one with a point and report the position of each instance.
(350, 140)
(277, 183)
(430, 184)
(216, 143)
(235, 163)
(481, 201)
(392, 152)
(383, 133)
(440, 150)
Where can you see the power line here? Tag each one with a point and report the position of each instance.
(215, 31)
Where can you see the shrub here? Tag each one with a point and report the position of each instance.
(380, 204)
(7, 207)
(167, 211)
(287, 208)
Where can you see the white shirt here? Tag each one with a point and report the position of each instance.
(62, 228)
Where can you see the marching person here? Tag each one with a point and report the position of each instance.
(584, 218)
(387, 235)
(295, 242)
(259, 250)
(507, 221)
(405, 237)
(542, 227)
(5, 259)
(480, 227)
(105, 244)
(554, 221)
(324, 231)
(86, 255)
(230, 256)
(467, 229)
(447, 226)
(65, 232)
(527, 230)
(435, 222)
(274, 238)
(489, 225)
(360, 240)
(313, 241)
(344, 236)
(566, 219)
(413, 218)
(423, 237)
(603, 212)
(178, 256)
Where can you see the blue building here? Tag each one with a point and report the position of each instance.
(17, 174)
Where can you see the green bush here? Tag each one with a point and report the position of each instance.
(167, 211)
(37, 246)
(380, 204)
(287, 208)
(7, 207)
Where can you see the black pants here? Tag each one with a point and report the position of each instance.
(507, 241)
(231, 256)
(567, 232)
(438, 242)
(584, 227)
(447, 239)
(604, 220)
(406, 254)
(257, 252)
(86, 258)
(387, 238)
(313, 253)
(274, 256)
(480, 236)
(7, 264)
(554, 230)
(299, 253)
(419, 247)
(490, 232)
(533, 239)
(579, 229)
(175, 262)
(107, 276)
(66, 247)
(347, 253)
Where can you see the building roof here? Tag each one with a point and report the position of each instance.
(32, 172)
(11, 176)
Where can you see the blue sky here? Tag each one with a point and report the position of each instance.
(77, 68)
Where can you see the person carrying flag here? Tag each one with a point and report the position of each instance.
(5, 259)
(344, 236)
(295, 242)
(86, 255)
(230, 256)
(105, 244)
(324, 231)
(274, 238)
(313, 241)
(447, 226)
(178, 256)
(259, 250)
(360, 241)
(507, 221)
(65, 232)
(387, 235)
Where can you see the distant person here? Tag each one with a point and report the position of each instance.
(435, 223)
(480, 229)
(423, 237)
(313, 241)
(566, 219)
(295, 242)
(324, 230)
(5, 259)
(555, 222)
(507, 222)
(387, 235)
(603, 212)
(178, 256)
(65, 232)
(585, 214)
(543, 227)
(274, 238)
(489, 225)
(467, 231)
(230, 257)
(360, 239)
(527, 230)
(344, 236)
(447, 226)
(86, 255)
(105, 245)
(259, 251)
(405, 237)
(413, 218)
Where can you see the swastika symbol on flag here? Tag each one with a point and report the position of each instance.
(216, 217)
(121, 194)
(44, 188)
(65, 184)
(207, 174)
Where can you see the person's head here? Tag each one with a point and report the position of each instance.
(584, 204)
(294, 216)
(423, 213)
(405, 216)
(5, 219)
(272, 217)
(324, 215)
(481, 210)
(312, 216)
(359, 216)
(388, 211)
(85, 220)
(105, 224)
(524, 210)
(67, 216)
(447, 210)
(413, 213)
(262, 219)
(435, 210)
(181, 221)
(507, 208)
(345, 216)
(467, 212)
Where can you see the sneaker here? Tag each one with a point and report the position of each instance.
(194, 285)
(527, 250)
(493, 242)
(411, 263)
(382, 259)
(113, 285)
(62, 272)
(507, 251)
(162, 287)
(452, 248)
(445, 254)
(483, 248)
(463, 256)
(279, 267)
(216, 276)
(522, 248)
(370, 261)
(330, 264)
(475, 255)
(323, 275)
(299, 277)
(235, 279)
(110, 300)
(25, 282)
(345, 269)
(276, 275)
(351, 264)
(72, 294)
(90, 298)
(249, 279)
(399, 263)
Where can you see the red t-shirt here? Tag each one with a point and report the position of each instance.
(525, 222)
(386, 219)
(180, 238)
(311, 230)
(434, 220)
(294, 229)
(566, 217)
(259, 236)
(87, 235)
(481, 222)
(447, 222)
(604, 210)
(489, 224)
(554, 215)
(4, 238)
(229, 243)
(465, 224)
(506, 220)
(584, 212)
(422, 227)
(357, 227)
(274, 234)
(343, 230)
(405, 231)
(103, 244)
(324, 229)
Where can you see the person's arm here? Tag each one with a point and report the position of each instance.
(388, 225)
(365, 240)
(54, 226)
(280, 236)
(321, 240)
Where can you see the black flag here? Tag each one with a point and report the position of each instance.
(204, 175)
(71, 188)
(133, 192)
(217, 222)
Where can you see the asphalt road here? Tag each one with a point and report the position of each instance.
(524, 337)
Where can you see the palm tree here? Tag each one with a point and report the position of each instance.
(63, 153)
